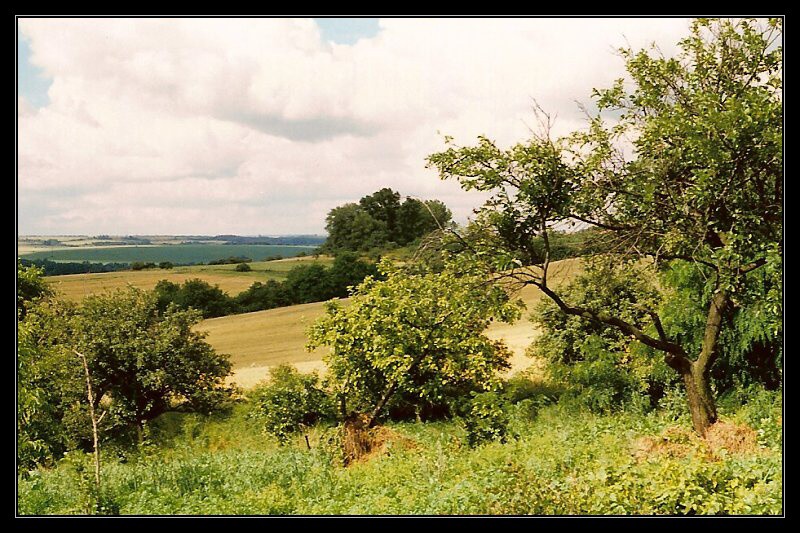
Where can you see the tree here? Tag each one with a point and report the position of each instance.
(143, 360)
(379, 220)
(195, 294)
(702, 184)
(384, 206)
(350, 227)
(30, 286)
(418, 218)
(308, 283)
(347, 271)
(413, 335)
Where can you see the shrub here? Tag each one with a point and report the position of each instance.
(243, 267)
(290, 401)
(486, 418)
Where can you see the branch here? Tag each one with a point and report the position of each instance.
(675, 355)
(602, 225)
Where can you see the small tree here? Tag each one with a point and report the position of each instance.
(412, 335)
(144, 360)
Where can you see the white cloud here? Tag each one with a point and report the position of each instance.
(259, 126)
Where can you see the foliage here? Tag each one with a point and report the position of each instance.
(197, 294)
(602, 367)
(243, 267)
(690, 170)
(142, 363)
(144, 359)
(52, 268)
(260, 296)
(564, 462)
(30, 287)
(290, 401)
(751, 347)
(381, 221)
(416, 336)
(486, 418)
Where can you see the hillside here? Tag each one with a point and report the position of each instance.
(262, 339)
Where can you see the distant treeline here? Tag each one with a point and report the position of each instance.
(299, 240)
(303, 284)
(51, 268)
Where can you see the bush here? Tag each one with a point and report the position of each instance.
(486, 418)
(290, 401)
(166, 265)
(243, 267)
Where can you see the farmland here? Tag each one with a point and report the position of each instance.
(76, 287)
(179, 254)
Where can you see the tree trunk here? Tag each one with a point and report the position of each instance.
(696, 375)
(700, 399)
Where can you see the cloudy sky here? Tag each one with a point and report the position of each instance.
(261, 126)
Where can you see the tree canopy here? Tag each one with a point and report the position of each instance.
(381, 220)
(417, 335)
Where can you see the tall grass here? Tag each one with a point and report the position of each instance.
(563, 461)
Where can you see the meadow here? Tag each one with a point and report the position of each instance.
(558, 461)
(178, 254)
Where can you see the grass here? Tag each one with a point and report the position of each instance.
(185, 253)
(559, 462)
(77, 286)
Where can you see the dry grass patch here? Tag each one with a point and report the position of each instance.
(361, 443)
(679, 441)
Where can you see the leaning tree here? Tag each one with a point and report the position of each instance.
(688, 169)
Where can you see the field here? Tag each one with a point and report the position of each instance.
(256, 341)
(75, 287)
(184, 253)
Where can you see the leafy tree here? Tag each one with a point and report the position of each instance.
(703, 184)
(30, 287)
(418, 218)
(144, 360)
(384, 206)
(308, 283)
(350, 227)
(348, 271)
(261, 296)
(412, 335)
(601, 365)
(380, 220)
(200, 295)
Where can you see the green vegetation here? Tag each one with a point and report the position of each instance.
(290, 402)
(380, 221)
(142, 363)
(677, 300)
(177, 254)
(704, 189)
(415, 338)
(562, 461)
(304, 283)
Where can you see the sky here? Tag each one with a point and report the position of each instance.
(261, 126)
